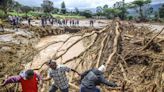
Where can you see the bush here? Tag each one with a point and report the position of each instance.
(130, 17)
(86, 13)
(2, 15)
(35, 14)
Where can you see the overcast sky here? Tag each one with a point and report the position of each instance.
(81, 4)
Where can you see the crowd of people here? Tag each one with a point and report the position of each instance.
(59, 22)
(14, 21)
(30, 80)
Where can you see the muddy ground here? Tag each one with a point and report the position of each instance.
(32, 47)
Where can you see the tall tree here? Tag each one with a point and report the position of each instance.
(124, 11)
(122, 7)
(16, 6)
(38, 9)
(112, 12)
(55, 10)
(118, 4)
(5, 5)
(99, 11)
(140, 4)
(47, 6)
(149, 11)
(26, 9)
(77, 11)
(86, 13)
(63, 8)
(105, 6)
(161, 11)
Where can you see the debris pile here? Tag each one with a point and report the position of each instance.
(133, 57)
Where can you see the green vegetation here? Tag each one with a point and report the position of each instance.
(140, 4)
(6, 5)
(161, 11)
(26, 9)
(68, 16)
(119, 9)
(63, 8)
(37, 14)
(47, 6)
(1, 14)
(86, 13)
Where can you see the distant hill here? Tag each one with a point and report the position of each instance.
(93, 10)
(132, 12)
(156, 6)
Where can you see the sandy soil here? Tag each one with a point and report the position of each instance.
(50, 50)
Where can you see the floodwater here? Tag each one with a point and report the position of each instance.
(48, 49)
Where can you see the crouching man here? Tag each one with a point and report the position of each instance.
(92, 78)
(58, 74)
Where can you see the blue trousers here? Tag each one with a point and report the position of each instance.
(85, 89)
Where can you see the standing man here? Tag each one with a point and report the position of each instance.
(73, 22)
(42, 21)
(91, 23)
(1, 25)
(66, 21)
(91, 78)
(70, 22)
(77, 22)
(58, 73)
(17, 20)
(14, 23)
(10, 18)
(28, 79)
(29, 21)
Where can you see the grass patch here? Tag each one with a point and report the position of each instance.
(38, 14)
(16, 14)
(68, 16)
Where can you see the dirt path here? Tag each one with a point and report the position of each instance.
(48, 52)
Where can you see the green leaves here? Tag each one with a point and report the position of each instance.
(63, 8)
(5, 5)
(141, 2)
(25, 9)
(161, 11)
(47, 6)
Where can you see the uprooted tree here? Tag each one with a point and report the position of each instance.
(133, 57)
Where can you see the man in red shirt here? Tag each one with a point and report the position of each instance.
(28, 79)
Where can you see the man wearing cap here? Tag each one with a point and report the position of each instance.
(28, 79)
(58, 73)
(92, 78)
